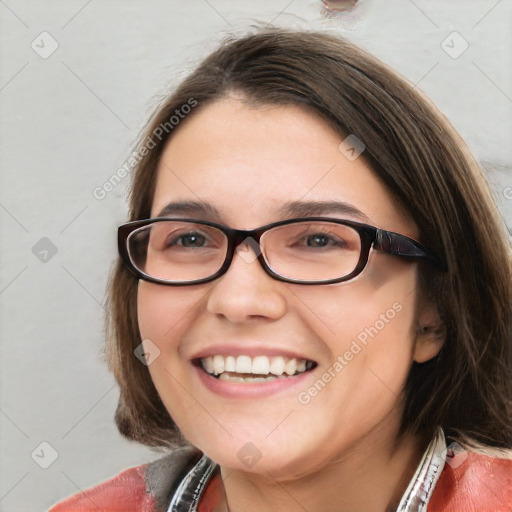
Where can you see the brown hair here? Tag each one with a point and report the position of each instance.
(419, 156)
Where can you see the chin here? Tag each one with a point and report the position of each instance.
(276, 455)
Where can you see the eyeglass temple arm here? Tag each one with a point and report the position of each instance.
(401, 245)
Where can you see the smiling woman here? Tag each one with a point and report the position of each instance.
(313, 228)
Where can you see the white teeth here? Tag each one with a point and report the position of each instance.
(230, 364)
(260, 365)
(218, 364)
(273, 366)
(208, 364)
(277, 365)
(233, 378)
(291, 366)
(243, 364)
(238, 378)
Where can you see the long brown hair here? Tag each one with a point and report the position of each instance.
(414, 150)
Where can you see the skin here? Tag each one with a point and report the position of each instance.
(247, 161)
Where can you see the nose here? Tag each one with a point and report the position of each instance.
(246, 291)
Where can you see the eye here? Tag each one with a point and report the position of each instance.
(315, 237)
(192, 239)
(320, 240)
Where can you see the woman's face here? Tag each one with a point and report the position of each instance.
(248, 163)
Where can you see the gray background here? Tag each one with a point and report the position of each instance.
(68, 123)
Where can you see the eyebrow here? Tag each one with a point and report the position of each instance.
(192, 208)
(290, 209)
(319, 208)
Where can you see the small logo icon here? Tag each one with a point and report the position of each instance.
(249, 455)
(249, 250)
(44, 250)
(351, 147)
(44, 455)
(147, 352)
(454, 455)
(44, 45)
(454, 45)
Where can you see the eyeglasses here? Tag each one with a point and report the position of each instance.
(309, 250)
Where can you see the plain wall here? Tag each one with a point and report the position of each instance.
(69, 121)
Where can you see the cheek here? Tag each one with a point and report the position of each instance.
(370, 339)
(379, 307)
(164, 312)
(369, 330)
(382, 339)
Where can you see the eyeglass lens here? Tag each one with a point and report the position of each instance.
(183, 251)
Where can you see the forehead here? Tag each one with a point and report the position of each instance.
(249, 162)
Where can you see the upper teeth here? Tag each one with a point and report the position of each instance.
(259, 365)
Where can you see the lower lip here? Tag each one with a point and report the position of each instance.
(231, 389)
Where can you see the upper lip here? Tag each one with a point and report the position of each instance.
(241, 349)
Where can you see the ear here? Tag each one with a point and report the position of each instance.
(430, 333)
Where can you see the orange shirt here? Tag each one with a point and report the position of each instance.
(480, 484)
(212, 495)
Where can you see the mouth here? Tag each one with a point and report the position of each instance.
(260, 368)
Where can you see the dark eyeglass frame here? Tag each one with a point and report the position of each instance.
(371, 237)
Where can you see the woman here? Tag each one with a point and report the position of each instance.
(313, 298)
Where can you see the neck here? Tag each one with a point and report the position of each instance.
(371, 476)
